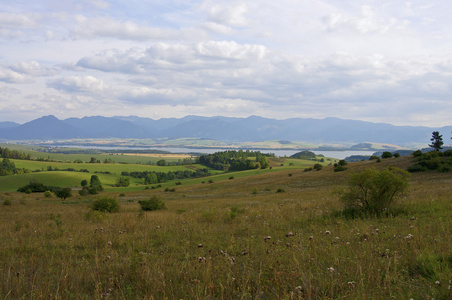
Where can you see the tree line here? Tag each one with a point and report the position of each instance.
(233, 160)
(14, 154)
(151, 177)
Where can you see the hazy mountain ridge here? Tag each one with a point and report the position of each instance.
(253, 128)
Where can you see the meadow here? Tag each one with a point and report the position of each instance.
(260, 234)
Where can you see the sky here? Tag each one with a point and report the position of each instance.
(378, 61)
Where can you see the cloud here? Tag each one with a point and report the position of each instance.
(79, 84)
(15, 21)
(232, 14)
(10, 76)
(89, 28)
(367, 22)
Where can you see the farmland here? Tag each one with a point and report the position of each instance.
(258, 234)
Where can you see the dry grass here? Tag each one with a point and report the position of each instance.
(233, 239)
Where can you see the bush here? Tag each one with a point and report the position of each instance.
(7, 202)
(417, 153)
(280, 190)
(386, 154)
(154, 203)
(122, 182)
(48, 194)
(373, 191)
(416, 168)
(105, 204)
(317, 167)
(339, 168)
(63, 193)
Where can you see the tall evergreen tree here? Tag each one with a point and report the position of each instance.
(437, 141)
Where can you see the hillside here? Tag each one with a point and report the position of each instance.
(279, 234)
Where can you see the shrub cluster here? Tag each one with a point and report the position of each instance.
(373, 191)
(105, 204)
(434, 160)
(154, 203)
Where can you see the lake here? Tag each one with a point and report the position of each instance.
(280, 153)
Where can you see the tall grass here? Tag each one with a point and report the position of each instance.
(221, 241)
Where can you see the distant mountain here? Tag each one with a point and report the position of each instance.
(8, 125)
(253, 128)
(48, 127)
(103, 127)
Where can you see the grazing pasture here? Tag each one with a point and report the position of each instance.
(263, 234)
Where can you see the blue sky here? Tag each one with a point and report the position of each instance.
(379, 61)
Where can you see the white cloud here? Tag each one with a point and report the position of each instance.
(367, 22)
(232, 14)
(15, 21)
(289, 58)
(10, 76)
(106, 27)
(79, 84)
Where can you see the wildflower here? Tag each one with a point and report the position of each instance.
(327, 232)
(201, 259)
(157, 227)
(331, 269)
(289, 234)
(200, 245)
(299, 288)
(437, 282)
(351, 284)
(409, 236)
(311, 237)
(267, 238)
(109, 243)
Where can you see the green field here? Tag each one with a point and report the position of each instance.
(264, 234)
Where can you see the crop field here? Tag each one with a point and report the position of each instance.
(275, 234)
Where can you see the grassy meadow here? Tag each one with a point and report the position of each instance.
(263, 234)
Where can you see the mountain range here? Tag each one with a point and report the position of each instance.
(228, 129)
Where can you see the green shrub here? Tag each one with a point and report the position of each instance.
(63, 193)
(105, 204)
(417, 153)
(48, 194)
(444, 169)
(7, 202)
(122, 182)
(339, 169)
(154, 203)
(317, 167)
(374, 191)
(84, 192)
(416, 168)
(280, 190)
(386, 154)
